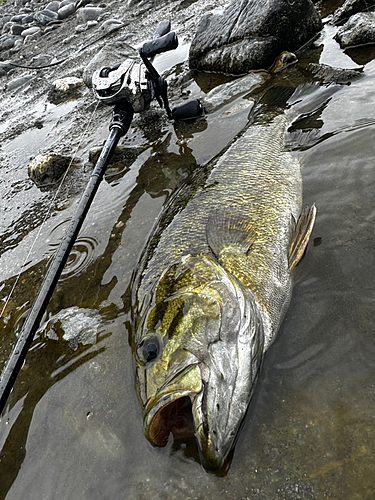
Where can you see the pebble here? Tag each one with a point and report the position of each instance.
(18, 82)
(66, 11)
(66, 2)
(45, 16)
(111, 25)
(67, 84)
(6, 42)
(85, 14)
(16, 29)
(53, 6)
(31, 31)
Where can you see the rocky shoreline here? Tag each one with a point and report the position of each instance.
(46, 48)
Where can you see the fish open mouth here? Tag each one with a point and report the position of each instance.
(174, 418)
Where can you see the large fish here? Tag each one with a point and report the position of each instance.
(212, 287)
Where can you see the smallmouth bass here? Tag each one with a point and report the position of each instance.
(212, 288)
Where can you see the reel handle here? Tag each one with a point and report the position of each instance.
(188, 111)
(159, 45)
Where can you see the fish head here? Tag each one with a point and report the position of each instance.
(198, 351)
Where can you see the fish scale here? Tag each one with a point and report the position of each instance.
(255, 178)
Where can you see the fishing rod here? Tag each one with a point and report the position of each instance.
(130, 87)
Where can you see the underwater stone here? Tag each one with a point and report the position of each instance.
(47, 169)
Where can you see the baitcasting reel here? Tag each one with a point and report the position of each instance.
(137, 81)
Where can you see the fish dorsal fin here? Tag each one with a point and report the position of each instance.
(300, 235)
(229, 232)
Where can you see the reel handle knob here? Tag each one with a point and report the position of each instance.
(159, 45)
(188, 111)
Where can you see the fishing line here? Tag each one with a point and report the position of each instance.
(48, 211)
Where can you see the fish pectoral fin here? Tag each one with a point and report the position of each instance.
(300, 235)
(228, 231)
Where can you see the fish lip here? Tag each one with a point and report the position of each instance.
(155, 409)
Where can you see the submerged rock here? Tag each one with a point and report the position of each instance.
(249, 35)
(45, 170)
(75, 325)
(359, 30)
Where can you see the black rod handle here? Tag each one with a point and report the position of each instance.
(22, 345)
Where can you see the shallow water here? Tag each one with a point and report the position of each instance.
(73, 427)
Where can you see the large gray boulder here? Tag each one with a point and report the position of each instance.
(358, 30)
(250, 34)
(349, 8)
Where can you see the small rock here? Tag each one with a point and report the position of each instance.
(30, 31)
(111, 25)
(227, 91)
(66, 2)
(16, 29)
(67, 84)
(41, 60)
(29, 18)
(69, 39)
(5, 67)
(359, 30)
(91, 24)
(18, 82)
(45, 170)
(75, 325)
(7, 26)
(17, 46)
(80, 28)
(64, 89)
(16, 19)
(85, 14)
(6, 42)
(45, 16)
(66, 11)
(349, 8)
(53, 6)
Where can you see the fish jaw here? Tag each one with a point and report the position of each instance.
(169, 412)
(219, 410)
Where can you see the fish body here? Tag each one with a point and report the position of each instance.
(212, 288)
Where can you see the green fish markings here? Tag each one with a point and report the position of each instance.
(212, 288)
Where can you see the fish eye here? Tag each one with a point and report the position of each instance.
(148, 349)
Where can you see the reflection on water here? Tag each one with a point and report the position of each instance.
(73, 427)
